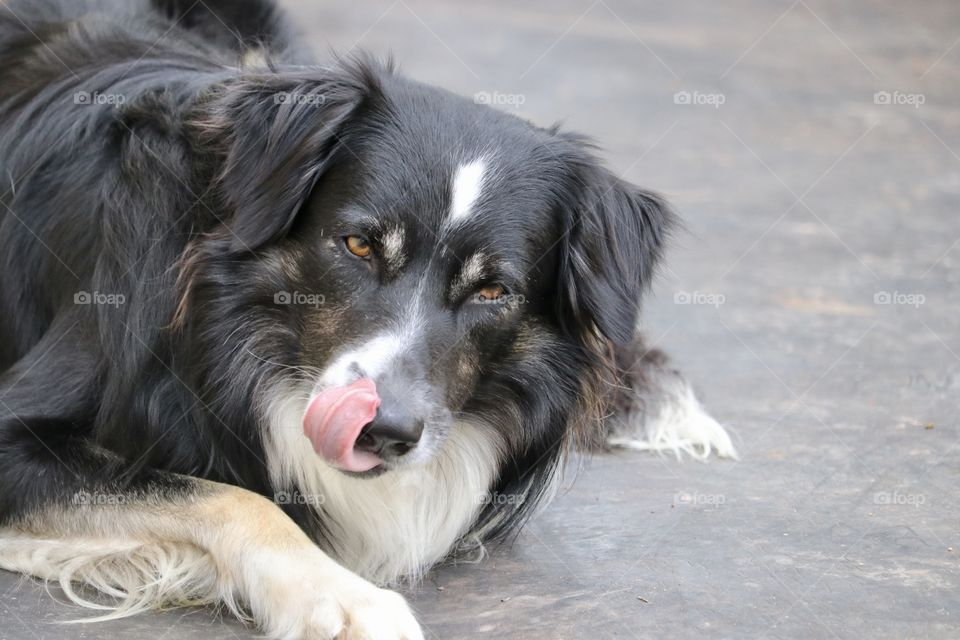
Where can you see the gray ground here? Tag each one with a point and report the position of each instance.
(806, 200)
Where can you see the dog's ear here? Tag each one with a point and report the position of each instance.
(271, 137)
(613, 237)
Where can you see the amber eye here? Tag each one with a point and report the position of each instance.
(359, 246)
(490, 292)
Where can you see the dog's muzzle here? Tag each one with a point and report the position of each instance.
(356, 430)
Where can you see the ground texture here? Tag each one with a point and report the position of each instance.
(813, 149)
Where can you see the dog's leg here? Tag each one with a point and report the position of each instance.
(657, 410)
(186, 541)
(71, 511)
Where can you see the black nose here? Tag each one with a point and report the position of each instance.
(389, 436)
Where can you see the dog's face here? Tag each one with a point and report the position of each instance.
(431, 260)
(431, 241)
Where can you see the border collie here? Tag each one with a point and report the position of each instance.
(273, 333)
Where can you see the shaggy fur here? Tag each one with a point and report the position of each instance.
(177, 189)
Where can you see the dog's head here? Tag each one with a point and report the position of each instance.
(420, 260)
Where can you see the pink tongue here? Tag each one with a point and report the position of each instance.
(334, 420)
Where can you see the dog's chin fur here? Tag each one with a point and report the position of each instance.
(393, 527)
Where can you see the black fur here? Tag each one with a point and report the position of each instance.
(209, 189)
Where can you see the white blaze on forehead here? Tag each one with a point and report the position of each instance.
(467, 183)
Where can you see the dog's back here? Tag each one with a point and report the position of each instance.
(229, 24)
(67, 66)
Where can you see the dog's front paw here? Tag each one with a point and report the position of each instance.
(374, 614)
(297, 600)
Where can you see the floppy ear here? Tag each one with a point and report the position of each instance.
(271, 137)
(614, 237)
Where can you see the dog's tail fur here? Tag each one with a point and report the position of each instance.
(657, 410)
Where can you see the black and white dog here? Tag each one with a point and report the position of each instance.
(271, 332)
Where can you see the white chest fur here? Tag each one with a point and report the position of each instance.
(394, 526)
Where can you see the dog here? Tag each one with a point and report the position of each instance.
(275, 332)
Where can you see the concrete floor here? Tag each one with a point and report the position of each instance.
(806, 202)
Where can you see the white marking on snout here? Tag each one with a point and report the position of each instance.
(467, 184)
(369, 360)
(374, 356)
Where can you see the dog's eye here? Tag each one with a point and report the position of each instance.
(359, 246)
(489, 293)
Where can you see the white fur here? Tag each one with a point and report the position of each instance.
(255, 58)
(301, 594)
(292, 589)
(675, 423)
(138, 576)
(369, 360)
(377, 355)
(393, 247)
(399, 524)
(467, 185)
(471, 272)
